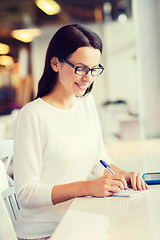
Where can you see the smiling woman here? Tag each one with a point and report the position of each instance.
(64, 43)
(76, 79)
(58, 140)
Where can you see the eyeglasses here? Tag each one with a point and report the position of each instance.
(85, 70)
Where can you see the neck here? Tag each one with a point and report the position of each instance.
(60, 100)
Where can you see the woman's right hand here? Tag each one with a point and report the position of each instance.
(99, 187)
(106, 185)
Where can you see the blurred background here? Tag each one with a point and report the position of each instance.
(127, 95)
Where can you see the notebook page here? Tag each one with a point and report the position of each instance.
(129, 193)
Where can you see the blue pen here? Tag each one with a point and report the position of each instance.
(109, 169)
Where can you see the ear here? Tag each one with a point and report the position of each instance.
(55, 64)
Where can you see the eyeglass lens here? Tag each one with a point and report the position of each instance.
(85, 70)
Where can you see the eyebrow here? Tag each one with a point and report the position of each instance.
(86, 65)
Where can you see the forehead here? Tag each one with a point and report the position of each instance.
(86, 55)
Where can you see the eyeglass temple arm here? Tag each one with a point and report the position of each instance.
(72, 65)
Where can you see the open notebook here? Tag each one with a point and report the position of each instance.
(129, 193)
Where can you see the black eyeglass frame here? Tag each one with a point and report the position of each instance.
(89, 69)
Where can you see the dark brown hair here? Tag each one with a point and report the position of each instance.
(65, 42)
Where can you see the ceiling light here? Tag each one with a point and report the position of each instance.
(122, 18)
(6, 61)
(50, 7)
(26, 35)
(107, 7)
(27, 31)
(4, 48)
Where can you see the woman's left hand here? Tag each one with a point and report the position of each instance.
(135, 181)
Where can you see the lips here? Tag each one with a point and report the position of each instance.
(82, 86)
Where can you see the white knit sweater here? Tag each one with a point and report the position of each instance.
(53, 146)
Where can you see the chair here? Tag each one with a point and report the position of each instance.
(11, 203)
(7, 231)
(6, 154)
(6, 151)
(6, 182)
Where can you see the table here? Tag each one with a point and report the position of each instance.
(112, 218)
(117, 218)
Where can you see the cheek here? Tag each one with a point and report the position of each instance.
(66, 73)
(69, 78)
(66, 79)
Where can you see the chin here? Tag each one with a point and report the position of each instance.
(81, 94)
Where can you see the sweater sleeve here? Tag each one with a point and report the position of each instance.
(98, 169)
(27, 160)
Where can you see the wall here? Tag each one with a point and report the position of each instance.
(121, 63)
(147, 31)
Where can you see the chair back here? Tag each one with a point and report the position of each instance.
(6, 154)
(11, 203)
(7, 231)
(8, 194)
(3, 178)
(6, 151)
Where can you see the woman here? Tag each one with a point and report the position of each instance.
(58, 140)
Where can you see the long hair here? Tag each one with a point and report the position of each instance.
(65, 42)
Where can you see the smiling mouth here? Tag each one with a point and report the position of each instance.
(82, 86)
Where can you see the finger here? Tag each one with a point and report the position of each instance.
(144, 185)
(113, 189)
(109, 194)
(138, 182)
(117, 183)
(133, 181)
(124, 182)
(147, 187)
(119, 178)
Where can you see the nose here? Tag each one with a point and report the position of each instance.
(88, 77)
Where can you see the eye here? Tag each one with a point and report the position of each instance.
(82, 69)
(96, 71)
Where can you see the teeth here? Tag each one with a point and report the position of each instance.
(84, 85)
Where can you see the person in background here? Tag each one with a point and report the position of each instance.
(58, 139)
